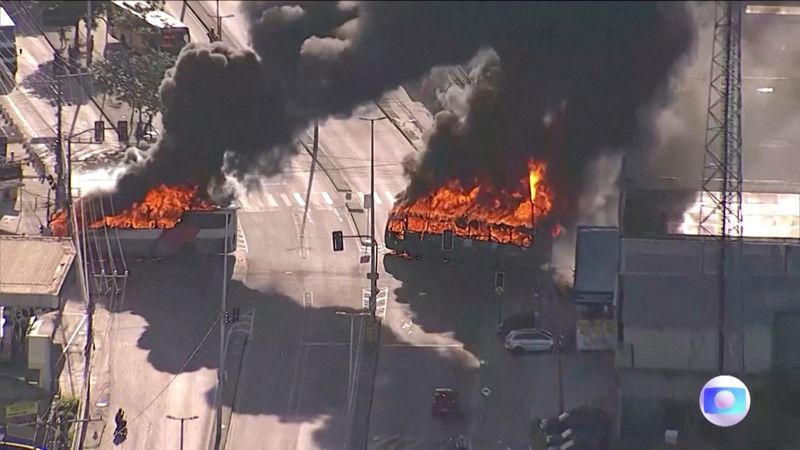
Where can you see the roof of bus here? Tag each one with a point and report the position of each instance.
(155, 17)
(5, 19)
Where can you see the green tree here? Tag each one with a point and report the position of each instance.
(134, 79)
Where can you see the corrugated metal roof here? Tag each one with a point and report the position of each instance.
(34, 265)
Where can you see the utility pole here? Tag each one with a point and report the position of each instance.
(373, 275)
(218, 19)
(310, 183)
(182, 419)
(223, 309)
(87, 44)
(60, 169)
(351, 364)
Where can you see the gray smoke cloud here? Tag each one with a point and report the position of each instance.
(600, 64)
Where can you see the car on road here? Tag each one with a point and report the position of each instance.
(532, 340)
(516, 322)
(445, 403)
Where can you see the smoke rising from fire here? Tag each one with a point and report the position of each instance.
(598, 65)
(571, 85)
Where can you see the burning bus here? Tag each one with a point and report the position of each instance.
(169, 219)
(460, 223)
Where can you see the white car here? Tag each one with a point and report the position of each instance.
(529, 340)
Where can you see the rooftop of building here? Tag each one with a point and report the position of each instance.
(34, 265)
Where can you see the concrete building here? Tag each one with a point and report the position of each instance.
(33, 274)
(668, 310)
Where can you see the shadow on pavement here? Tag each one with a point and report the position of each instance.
(180, 299)
(452, 298)
(74, 88)
(24, 18)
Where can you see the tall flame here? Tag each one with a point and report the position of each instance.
(480, 212)
(162, 207)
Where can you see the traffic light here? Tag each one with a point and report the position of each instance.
(447, 240)
(227, 317)
(338, 241)
(235, 315)
(122, 130)
(499, 279)
(99, 131)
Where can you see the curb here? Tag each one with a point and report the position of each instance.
(227, 411)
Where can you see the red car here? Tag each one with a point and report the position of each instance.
(445, 402)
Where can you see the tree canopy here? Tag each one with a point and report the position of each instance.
(133, 78)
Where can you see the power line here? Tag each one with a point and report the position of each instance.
(53, 47)
(181, 370)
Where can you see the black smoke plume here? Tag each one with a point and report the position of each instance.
(572, 82)
(599, 63)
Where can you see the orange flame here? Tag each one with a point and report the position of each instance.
(162, 208)
(479, 212)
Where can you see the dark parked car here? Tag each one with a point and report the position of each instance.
(516, 322)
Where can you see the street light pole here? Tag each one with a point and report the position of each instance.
(373, 276)
(182, 419)
(351, 383)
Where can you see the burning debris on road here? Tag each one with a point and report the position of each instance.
(479, 212)
(162, 208)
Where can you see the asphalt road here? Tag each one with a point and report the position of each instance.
(439, 329)
(439, 326)
(166, 316)
(32, 103)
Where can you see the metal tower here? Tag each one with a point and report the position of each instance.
(721, 202)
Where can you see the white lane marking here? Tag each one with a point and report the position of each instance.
(390, 196)
(271, 201)
(286, 200)
(425, 345)
(327, 198)
(299, 199)
(246, 202)
(377, 199)
(326, 344)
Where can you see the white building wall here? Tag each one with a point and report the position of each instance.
(673, 349)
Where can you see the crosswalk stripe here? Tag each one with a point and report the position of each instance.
(377, 199)
(271, 201)
(299, 199)
(327, 198)
(286, 200)
(245, 201)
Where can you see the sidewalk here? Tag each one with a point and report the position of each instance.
(30, 209)
(234, 358)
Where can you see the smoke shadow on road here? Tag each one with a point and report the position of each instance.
(302, 386)
(456, 298)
